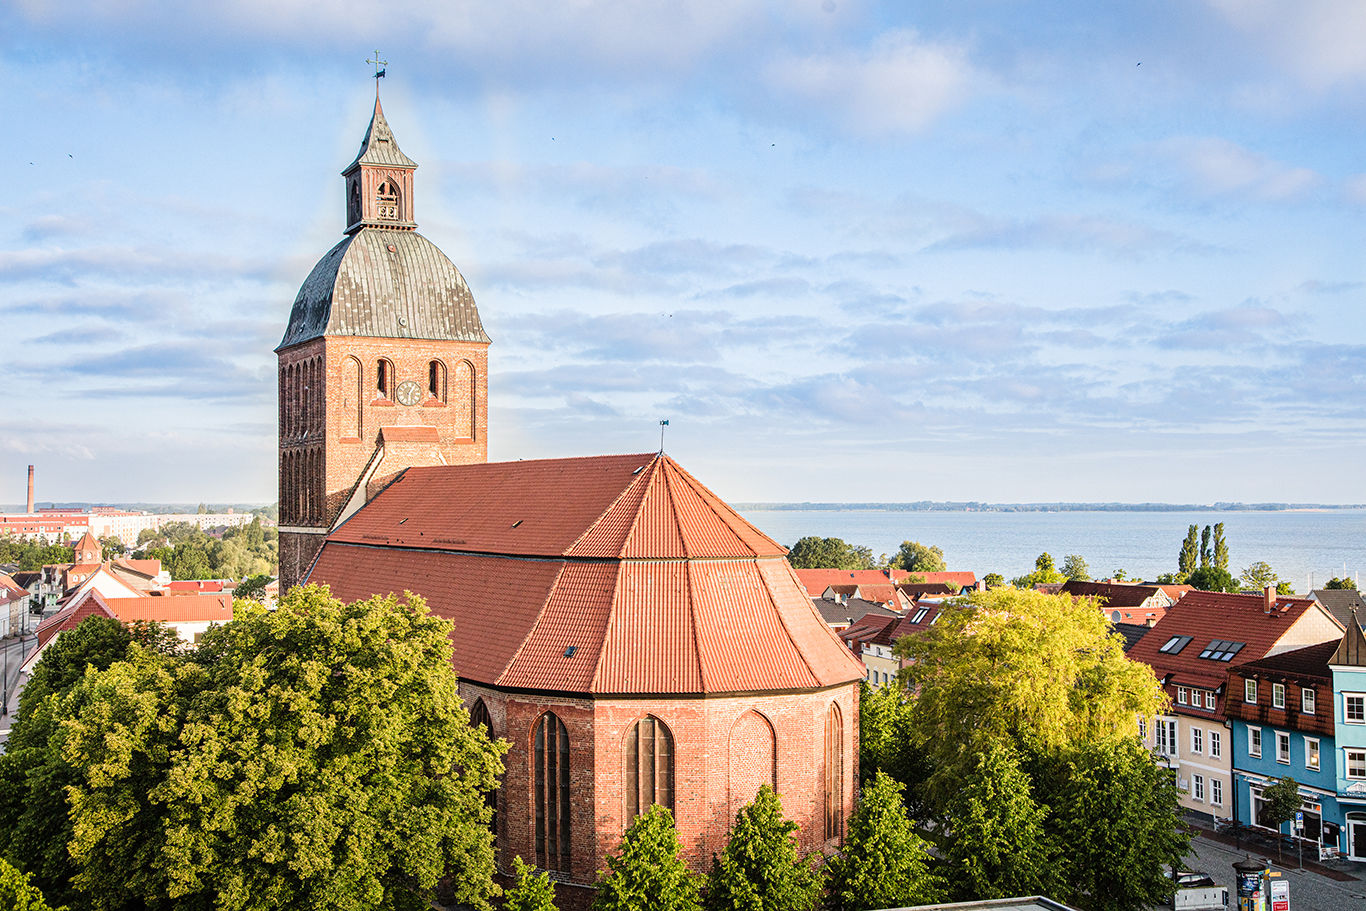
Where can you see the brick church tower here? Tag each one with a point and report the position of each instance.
(384, 364)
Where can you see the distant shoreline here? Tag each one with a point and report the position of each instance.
(937, 506)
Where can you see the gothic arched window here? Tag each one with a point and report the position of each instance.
(384, 378)
(649, 759)
(550, 755)
(436, 380)
(479, 718)
(834, 773)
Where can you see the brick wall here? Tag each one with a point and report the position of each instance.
(708, 785)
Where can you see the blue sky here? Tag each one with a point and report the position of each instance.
(852, 251)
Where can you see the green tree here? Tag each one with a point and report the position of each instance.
(317, 755)
(18, 894)
(1045, 573)
(761, 868)
(1280, 801)
(1172, 579)
(883, 864)
(1213, 579)
(252, 587)
(1205, 547)
(111, 547)
(1336, 584)
(531, 891)
(878, 711)
(647, 873)
(1284, 588)
(915, 557)
(994, 580)
(829, 553)
(203, 509)
(1220, 547)
(1075, 569)
(1258, 576)
(1189, 558)
(999, 844)
(1118, 815)
(1018, 668)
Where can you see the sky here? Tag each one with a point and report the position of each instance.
(851, 251)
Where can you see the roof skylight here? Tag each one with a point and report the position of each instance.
(1175, 644)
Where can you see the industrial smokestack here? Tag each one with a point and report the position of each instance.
(30, 490)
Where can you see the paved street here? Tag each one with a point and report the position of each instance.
(1309, 891)
(12, 653)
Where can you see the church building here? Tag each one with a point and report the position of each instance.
(632, 637)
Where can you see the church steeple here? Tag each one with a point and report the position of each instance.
(379, 182)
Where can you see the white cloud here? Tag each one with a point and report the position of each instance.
(1320, 41)
(898, 85)
(1218, 167)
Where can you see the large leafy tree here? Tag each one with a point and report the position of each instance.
(761, 868)
(884, 863)
(1045, 573)
(915, 557)
(647, 873)
(1115, 812)
(1020, 668)
(998, 843)
(1220, 556)
(317, 755)
(1205, 553)
(1075, 568)
(829, 553)
(1213, 579)
(17, 893)
(1336, 584)
(1258, 576)
(35, 825)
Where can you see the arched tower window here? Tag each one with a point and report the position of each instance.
(649, 758)
(834, 773)
(384, 378)
(387, 200)
(551, 758)
(464, 400)
(436, 380)
(352, 411)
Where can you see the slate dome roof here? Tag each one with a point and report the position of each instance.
(387, 284)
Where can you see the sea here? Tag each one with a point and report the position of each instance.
(1305, 547)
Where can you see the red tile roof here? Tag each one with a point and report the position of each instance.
(1116, 594)
(656, 584)
(1209, 616)
(196, 585)
(189, 609)
(960, 579)
(818, 580)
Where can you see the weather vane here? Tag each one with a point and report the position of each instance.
(379, 70)
(662, 425)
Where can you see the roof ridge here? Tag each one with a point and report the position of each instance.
(710, 500)
(640, 479)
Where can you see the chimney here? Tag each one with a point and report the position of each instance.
(30, 490)
(1152, 621)
(1269, 598)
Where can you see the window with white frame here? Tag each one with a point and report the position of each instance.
(1216, 792)
(1278, 695)
(1250, 691)
(1254, 741)
(1197, 740)
(1166, 736)
(1283, 747)
(1307, 700)
(1143, 730)
(1198, 787)
(1354, 708)
(1356, 764)
(1216, 744)
(1181, 693)
(1209, 701)
(1311, 753)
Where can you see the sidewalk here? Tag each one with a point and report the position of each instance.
(1289, 859)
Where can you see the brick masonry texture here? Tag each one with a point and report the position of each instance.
(721, 751)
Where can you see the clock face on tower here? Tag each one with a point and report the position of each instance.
(409, 393)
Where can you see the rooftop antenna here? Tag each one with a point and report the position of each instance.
(379, 70)
(662, 425)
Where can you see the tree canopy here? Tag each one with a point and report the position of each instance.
(1336, 584)
(915, 557)
(1258, 576)
(317, 755)
(531, 891)
(647, 873)
(1045, 573)
(761, 868)
(1213, 579)
(187, 552)
(1075, 569)
(17, 893)
(829, 553)
(32, 555)
(884, 863)
(1189, 558)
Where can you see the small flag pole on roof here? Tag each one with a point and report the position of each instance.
(662, 425)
